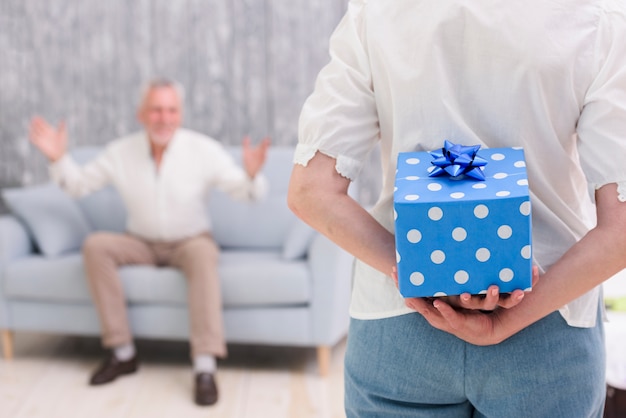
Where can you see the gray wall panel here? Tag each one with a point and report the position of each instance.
(247, 66)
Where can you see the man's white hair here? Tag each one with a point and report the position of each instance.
(156, 83)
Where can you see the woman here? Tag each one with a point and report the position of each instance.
(547, 76)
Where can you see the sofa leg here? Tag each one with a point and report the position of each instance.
(7, 344)
(323, 359)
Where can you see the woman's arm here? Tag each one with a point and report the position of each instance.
(319, 196)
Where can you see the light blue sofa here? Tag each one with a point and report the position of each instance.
(282, 283)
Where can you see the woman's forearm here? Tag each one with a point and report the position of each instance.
(318, 195)
(595, 258)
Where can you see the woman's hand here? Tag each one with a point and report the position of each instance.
(473, 318)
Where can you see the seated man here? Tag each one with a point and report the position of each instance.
(163, 174)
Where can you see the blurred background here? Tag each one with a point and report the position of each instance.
(247, 66)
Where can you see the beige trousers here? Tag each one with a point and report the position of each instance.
(196, 257)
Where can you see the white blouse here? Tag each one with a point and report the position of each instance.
(549, 76)
(168, 204)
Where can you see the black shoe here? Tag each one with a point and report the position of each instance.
(111, 368)
(205, 389)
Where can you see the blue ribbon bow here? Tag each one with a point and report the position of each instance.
(458, 160)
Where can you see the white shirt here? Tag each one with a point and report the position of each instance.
(168, 204)
(549, 76)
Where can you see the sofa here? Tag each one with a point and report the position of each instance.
(283, 283)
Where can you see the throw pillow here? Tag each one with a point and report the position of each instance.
(53, 218)
(298, 240)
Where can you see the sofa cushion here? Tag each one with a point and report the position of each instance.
(262, 278)
(251, 225)
(260, 225)
(298, 240)
(53, 218)
(249, 278)
(55, 279)
(104, 208)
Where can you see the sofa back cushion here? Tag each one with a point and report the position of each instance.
(104, 209)
(262, 224)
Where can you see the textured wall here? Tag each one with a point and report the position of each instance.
(247, 66)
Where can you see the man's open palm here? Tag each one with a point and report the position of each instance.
(254, 157)
(50, 140)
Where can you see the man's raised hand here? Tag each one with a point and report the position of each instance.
(254, 157)
(50, 140)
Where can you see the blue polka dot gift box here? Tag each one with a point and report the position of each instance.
(462, 221)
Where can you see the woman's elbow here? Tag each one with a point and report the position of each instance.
(297, 195)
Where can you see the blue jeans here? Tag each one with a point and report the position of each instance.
(403, 367)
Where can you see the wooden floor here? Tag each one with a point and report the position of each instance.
(48, 376)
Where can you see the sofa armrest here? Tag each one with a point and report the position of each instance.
(14, 243)
(331, 270)
(15, 240)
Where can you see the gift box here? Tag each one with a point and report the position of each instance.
(456, 232)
